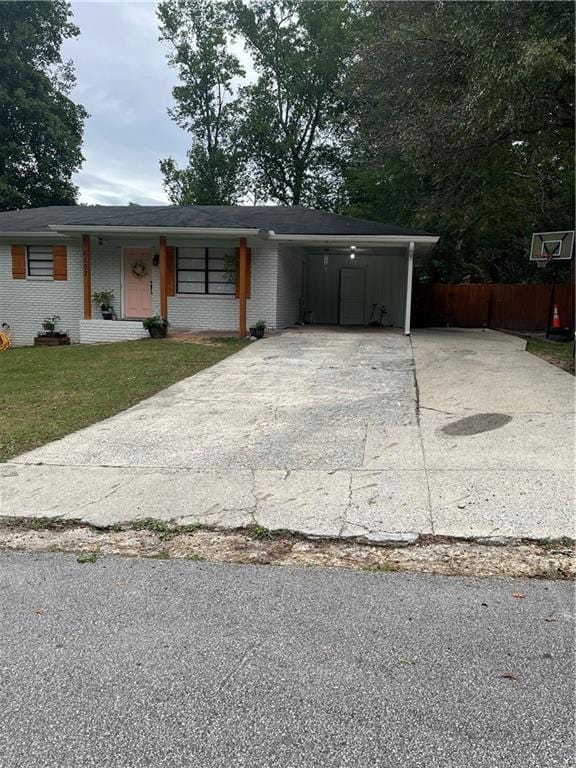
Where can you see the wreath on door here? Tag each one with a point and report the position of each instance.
(139, 269)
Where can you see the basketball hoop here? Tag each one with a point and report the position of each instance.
(547, 247)
(545, 259)
(551, 246)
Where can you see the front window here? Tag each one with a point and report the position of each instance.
(206, 271)
(40, 261)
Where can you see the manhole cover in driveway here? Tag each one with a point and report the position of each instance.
(473, 425)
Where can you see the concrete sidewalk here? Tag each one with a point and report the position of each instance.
(318, 432)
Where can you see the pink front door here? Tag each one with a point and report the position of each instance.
(137, 282)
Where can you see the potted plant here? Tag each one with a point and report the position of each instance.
(257, 330)
(103, 299)
(49, 324)
(49, 336)
(156, 326)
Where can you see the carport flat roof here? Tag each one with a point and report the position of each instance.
(278, 222)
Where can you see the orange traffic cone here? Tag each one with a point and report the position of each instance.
(556, 318)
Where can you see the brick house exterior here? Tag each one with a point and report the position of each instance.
(290, 260)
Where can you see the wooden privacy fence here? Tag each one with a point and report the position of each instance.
(491, 305)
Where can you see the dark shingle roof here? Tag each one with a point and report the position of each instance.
(283, 220)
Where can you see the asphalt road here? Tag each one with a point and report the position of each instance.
(126, 663)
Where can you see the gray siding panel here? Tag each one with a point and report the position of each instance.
(385, 284)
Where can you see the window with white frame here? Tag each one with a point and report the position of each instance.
(206, 271)
(40, 261)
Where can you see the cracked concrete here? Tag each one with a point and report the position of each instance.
(319, 432)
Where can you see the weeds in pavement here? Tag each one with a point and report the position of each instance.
(378, 567)
(86, 558)
(166, 531)
(259, 533)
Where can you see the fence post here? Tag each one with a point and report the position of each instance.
(490, 302)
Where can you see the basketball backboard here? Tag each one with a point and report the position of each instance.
(551, 246)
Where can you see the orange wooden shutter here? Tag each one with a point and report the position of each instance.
(171, 270)
(248, 270)
(19, 262)
(60, 262)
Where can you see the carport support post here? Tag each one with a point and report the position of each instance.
(242, 286)
(86, 277)
(163, 263)
(409, 289)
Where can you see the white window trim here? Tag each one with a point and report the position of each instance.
(204, 296)
(206, 272)
(38, 278)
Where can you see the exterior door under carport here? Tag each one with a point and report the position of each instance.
(352, 296)
(309, 277)
(341, 290)
(333, 291)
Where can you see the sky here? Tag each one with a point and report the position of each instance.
(125, 83)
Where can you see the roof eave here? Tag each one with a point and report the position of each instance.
(110, 230)
(29, 234)
(390, 240)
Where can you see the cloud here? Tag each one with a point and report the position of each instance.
(125, 83)
(103, 190)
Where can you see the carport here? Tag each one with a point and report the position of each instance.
(351, 281)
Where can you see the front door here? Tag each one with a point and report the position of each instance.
(352, 290)
(137, 283)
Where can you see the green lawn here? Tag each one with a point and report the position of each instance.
(560, 354)
(46, 393)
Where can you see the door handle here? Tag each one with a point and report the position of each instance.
(150, 287)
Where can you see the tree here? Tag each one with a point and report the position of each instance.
(40, 127)
(300, 50)
(466, 110)
(196, 31)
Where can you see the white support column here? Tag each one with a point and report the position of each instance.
(409, 289)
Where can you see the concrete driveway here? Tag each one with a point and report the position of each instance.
(319, 431)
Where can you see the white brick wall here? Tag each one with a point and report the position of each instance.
(221, 312)
(25, 303)
(95, 331)
(203, 313)
(199, 312)
(263, 302)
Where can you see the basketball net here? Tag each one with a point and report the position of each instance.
(545, 257)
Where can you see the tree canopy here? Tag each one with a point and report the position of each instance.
(456, 117)
(199, 51)
(466, 110)
(272, 138)
(40, 127)
(299, 51)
